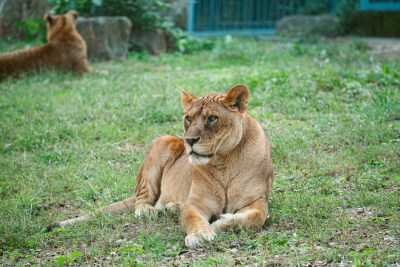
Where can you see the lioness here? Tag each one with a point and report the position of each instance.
(65, 50)
(222, 169)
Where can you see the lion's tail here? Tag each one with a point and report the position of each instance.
(115, 208)
(103, 72)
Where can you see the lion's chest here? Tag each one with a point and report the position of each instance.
(243, 189)
(232, 189)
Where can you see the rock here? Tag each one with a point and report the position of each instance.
(12, 11)
(295, 25)
(177, 12)
(152, 40)
(157, 41)
(106, 38)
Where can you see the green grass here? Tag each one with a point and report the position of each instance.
(70, 144)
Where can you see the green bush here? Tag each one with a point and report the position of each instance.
(33, 28)
(83, 7)
(315, 7)
(142, 13)
(345, 11)
(183, 42)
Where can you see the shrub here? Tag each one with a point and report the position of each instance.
(142, 13)
(345, 11)
(183, 42)
(33, 28)
(312, 7)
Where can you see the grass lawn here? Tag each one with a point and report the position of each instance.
(70, 144)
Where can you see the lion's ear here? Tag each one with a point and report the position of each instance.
(48, 18)
(73, 13)
(187, 99)
(237, 97)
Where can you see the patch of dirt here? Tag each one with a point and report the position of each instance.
(388, 47)
(161, 67)
(383, 46)
(360, 213)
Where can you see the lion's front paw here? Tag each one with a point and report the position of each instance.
(172, 206)
(197, 239)
(145, 210)
(223, 223)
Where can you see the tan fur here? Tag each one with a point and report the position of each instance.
(232, 183)
(65, 50)
(229, 179)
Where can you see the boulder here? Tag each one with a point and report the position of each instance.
(12, 11)
(177, 12)
(157, 41)
(152, 40)
(107, 38)
(295, 25)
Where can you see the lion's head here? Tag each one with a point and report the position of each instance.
(213, 123)
(60, 23)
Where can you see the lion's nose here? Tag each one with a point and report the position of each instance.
(192, 141)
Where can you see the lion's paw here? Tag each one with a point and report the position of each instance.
(145, 211)
(197, 239)
(172, 206)
(223, 223)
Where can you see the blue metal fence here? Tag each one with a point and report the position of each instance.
(218, 17)
(380, 5)
(208, 17)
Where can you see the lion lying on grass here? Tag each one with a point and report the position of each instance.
(65, 50)
(221, 170)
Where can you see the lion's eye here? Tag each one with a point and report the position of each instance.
(211, 119)
(188, 119)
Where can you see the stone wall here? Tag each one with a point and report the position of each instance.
(377, 23)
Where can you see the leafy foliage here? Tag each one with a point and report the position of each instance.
(143, 13)
(185, 43)
(83, 7)
(34, 28)
(345, 11)
(312, 7)
(69, 259)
